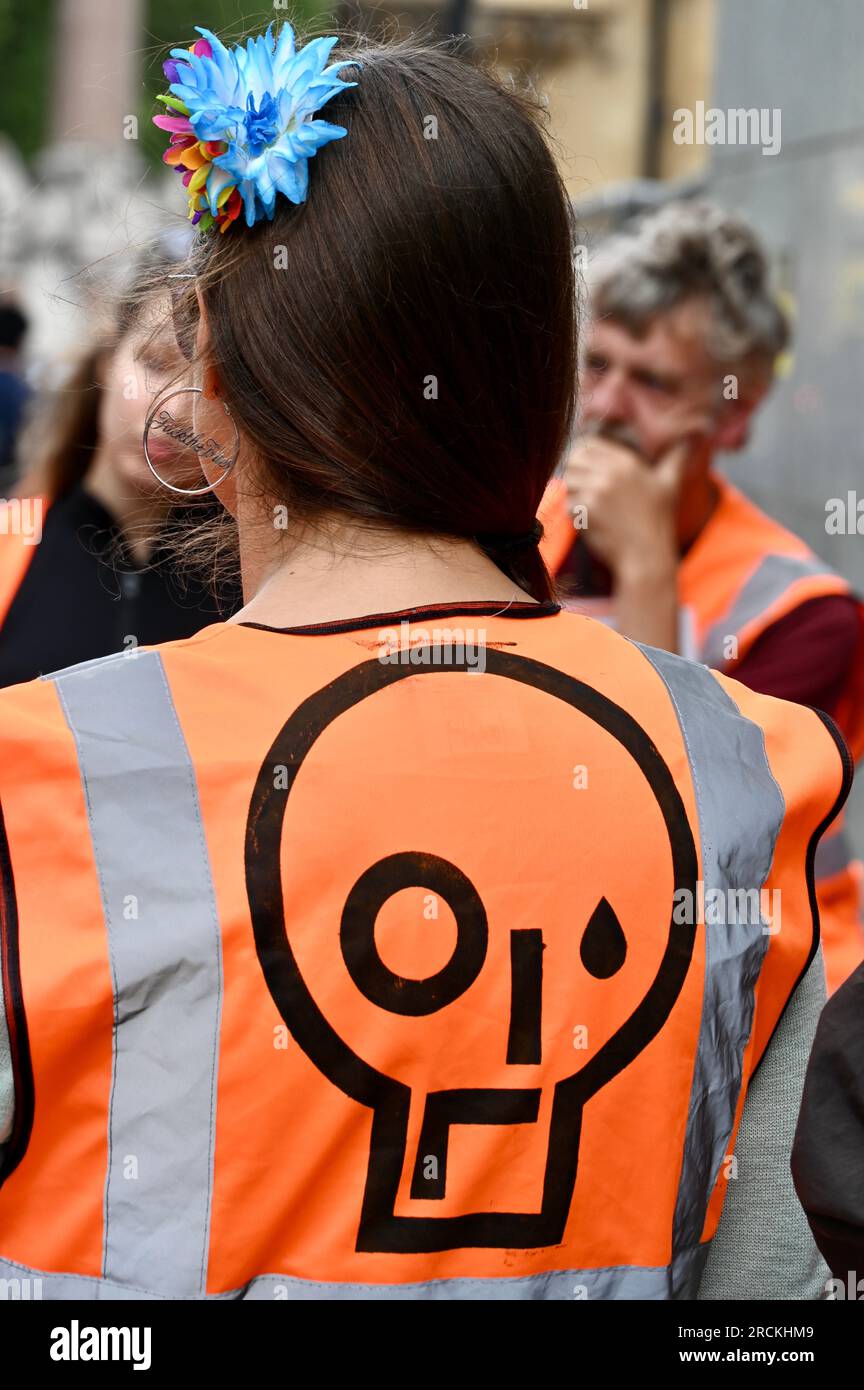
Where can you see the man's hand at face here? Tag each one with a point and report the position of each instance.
(631, 524)
(630, 505)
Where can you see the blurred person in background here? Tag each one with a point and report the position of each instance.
(645, 533)
(100, 579)
(14, 391)
(828, 1153)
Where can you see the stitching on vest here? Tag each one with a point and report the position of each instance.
(384, 1290)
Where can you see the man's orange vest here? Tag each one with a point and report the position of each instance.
(431, 962)
(744, 572)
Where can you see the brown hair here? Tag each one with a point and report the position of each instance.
(68, 431)
(414, 363)
(686, 251)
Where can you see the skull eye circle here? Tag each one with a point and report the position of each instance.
(604, 946)
(382, 986)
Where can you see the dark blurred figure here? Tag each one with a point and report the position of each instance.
(86, 567)
(14, 391)
(828, 1156)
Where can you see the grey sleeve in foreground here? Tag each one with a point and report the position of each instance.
(763, 1247)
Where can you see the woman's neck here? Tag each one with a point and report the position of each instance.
(350, 572)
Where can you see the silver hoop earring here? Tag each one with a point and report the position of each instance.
(160, 418)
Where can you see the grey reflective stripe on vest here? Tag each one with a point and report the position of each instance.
(741, 810)
(833, 854)
(164, 943)
(560, 1284)
(768, 582)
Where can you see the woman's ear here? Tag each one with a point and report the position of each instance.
(210, 377)
(210, 384)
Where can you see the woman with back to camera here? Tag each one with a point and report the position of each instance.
(392, 882)
(90, 573)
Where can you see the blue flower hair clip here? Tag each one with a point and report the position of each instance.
(242, 122)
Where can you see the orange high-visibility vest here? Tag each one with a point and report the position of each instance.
(744, 572)
(16, 548)
(418, 957)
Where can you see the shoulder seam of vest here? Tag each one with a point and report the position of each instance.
(95, 663)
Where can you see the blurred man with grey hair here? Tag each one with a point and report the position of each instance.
(642, 530)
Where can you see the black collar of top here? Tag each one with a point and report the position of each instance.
(475, 607)
(508, 545)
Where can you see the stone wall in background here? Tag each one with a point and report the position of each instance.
(805, 60)
(808, 201)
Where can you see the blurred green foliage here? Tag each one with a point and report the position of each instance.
(171, 24)
(28, 53)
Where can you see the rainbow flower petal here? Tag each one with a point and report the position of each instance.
(242, 121)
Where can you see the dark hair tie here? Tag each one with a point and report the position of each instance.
(491, 540)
